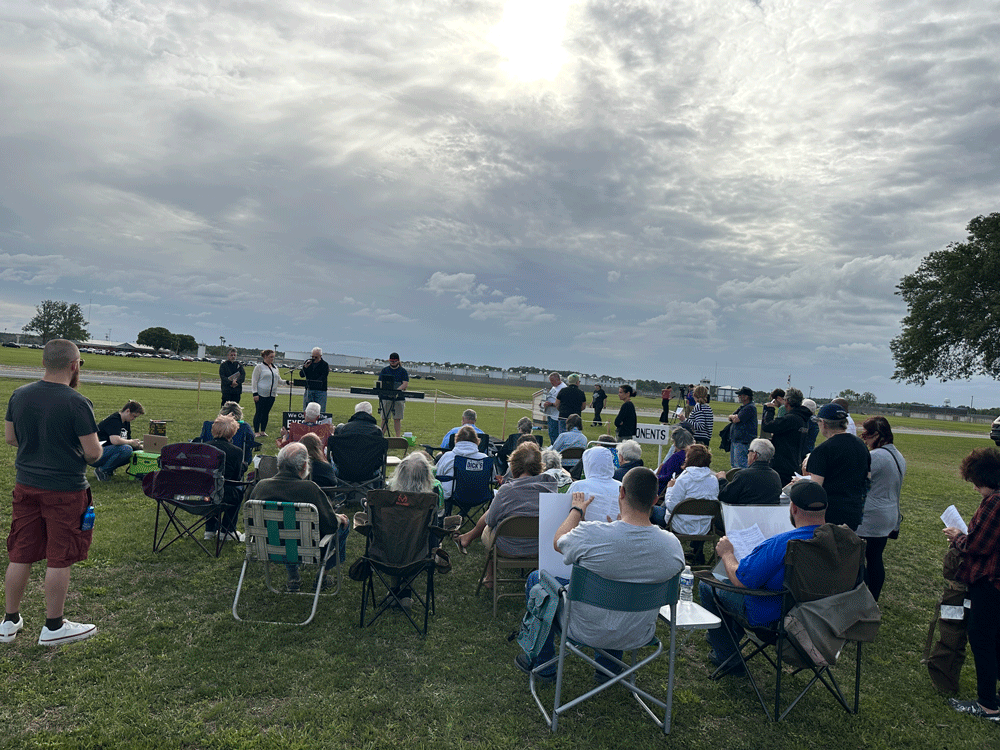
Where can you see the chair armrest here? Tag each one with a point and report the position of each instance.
(707, 577)
(326, 540)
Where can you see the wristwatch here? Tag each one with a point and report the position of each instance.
(577, 509)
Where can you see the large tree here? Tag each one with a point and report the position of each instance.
(952, 329)
(186, 343)
(58, 320)
(158, 338)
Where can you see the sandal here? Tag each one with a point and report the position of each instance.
(455, 538)
(442, 560)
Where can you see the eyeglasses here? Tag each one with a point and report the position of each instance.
(81, 361)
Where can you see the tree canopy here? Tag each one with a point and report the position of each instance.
(161, 338)
(952, 328)
(56, 319)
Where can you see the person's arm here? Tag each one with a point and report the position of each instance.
(222, 373)
(92, 450)
(254, 382)
(243, 376)
(8, 433)
(724, 549)
(576, 514)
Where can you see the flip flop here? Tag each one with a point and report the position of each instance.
(462, 549)
(442, 560)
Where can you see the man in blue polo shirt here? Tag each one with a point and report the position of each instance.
(764, 568)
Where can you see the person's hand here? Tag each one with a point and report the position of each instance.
(672, 482)
(256, 397)
(720, 475)
(344, 521)
(952, 533)
(582, 501)
(724, 547)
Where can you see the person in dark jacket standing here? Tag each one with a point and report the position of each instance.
(787, 433)
(625, 422)
(744, 428)
(232, 375)
(598, 402)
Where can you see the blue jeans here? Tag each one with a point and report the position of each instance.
(553, 429)
(738, 454)
(719, 638)
(113, 457)
(318, 396)
(548, 649)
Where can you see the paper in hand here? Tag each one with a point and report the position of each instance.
(953, 519)
(745, 540)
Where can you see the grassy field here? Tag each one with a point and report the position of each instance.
(170, 668)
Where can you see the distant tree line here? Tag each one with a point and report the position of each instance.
(161, 338)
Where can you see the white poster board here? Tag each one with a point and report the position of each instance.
(771, 519)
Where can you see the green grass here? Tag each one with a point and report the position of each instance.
(170, 668)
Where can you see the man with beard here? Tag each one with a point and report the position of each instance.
(55, 433)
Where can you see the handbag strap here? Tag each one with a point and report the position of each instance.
(894, 460)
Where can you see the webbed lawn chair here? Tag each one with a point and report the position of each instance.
(286, 533)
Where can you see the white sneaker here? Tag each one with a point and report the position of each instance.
(209, 535)
(232, 536)
(8, 629)
(68, 633)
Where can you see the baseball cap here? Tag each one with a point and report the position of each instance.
(832, 411)
(808, 495)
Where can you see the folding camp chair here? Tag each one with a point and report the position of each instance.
(191, 479)
(699, 507)
(514, 527)
(398, 552)
(589, 588)
(286, 533)
(471, 489)
(396, 444)
(360, 462)
(824, 573)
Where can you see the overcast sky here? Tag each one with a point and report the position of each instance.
(666, 190)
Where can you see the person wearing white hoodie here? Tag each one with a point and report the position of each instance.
(600, 482)
(696, 481)
(466, 444)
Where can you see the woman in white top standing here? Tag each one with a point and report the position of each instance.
(264, 383)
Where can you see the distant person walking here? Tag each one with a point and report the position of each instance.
(55, 433)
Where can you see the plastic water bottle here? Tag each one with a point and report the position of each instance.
(687, 584)
(87, 521)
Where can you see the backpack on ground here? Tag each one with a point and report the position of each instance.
(543, 603)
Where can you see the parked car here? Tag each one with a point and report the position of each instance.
(11, 345)
(995, 431)
(430, 377)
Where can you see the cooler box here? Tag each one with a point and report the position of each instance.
(142, 463)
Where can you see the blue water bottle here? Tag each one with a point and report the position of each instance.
(87, 522)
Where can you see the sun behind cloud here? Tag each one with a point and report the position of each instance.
(530, 36)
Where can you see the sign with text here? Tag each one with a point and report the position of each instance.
(653, 434)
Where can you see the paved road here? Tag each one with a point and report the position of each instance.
(147, 380)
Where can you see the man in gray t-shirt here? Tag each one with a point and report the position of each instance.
(628, 549)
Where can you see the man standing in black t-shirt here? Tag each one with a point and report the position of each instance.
(53, 428)
(842, 464)
(398, 375)
(571, 400)
(232, 375)
(115, 434)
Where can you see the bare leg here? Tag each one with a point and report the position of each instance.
(15, 583)
(56, 587)
(469, 537)
(399, 425)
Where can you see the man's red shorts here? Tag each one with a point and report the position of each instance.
(46, 526)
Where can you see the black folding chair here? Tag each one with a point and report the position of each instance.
(398, 553)
(360, 462)
(830, 566)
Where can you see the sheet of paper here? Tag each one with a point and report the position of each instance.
(953, 519)
(745, 540)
